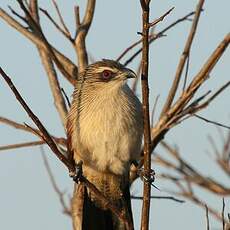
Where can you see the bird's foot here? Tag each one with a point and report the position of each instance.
(78, 173)
(147, 177)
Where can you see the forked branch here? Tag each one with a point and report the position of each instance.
(81, 34)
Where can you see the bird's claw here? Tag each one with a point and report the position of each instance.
(147, 177)
(78, 173)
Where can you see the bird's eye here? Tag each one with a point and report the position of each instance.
(107, 74)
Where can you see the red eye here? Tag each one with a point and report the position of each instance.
(107, 74)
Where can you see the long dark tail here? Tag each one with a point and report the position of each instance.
(96, 217)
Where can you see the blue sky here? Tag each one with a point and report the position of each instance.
(27, 199)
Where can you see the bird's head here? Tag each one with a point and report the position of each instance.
(107, 73)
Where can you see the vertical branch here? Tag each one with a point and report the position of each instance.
(223, 220)
(145, 95)
(81, 34)
(207, 218)
(183, 59)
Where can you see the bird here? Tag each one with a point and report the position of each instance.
(105, 129)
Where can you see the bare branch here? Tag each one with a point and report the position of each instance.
(143, 4)
(14, 124)
(67, 64)
(161, 18)
(54, 86)
(81, 34)
(59, 140)
(183, 58)
(186, 71)
(45, 135)
(66, 30)
(77, 17)
(67, 35)
(21, 145)
(145, 108)
(35, 27)
(49, 68)
(212, 122)
(159, 197)
(130, 48)
(154, 110)
(33, 8)
(223, 218)
(152, 38)
(60, 194)
(17, 14)
(207, 218)
(217, 93)
(189, 174)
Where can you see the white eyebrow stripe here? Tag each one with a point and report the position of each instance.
(100, 69)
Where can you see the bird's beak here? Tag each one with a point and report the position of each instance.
(130, 74)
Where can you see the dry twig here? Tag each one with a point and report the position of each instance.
(159, 197)
(22, 145)
(223, 218)
(152, 38)
(68, 66)
(207, 217)
(161, 18)
(48, 66)
(183, 59)
(81, 34)
(60, 194)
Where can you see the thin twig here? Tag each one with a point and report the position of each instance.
(152, 38)
(61, 19)
(22, 145)
(81, 34)
(154, 109)
(183, 58)
(17, 14)
(60, 194)
(161, 18)
(16, 125)
(69, 66)
(129, 48)
(207, 217)
(50, 69)
(45, 135)
(186, 71)
(67, 35)
(223, 209)
(217, 93)
(159, 197)
(212, 122)
(37, 29)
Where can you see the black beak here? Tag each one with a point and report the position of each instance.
(130, 74)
